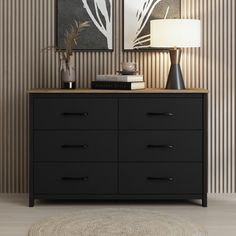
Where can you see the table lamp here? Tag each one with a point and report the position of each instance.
(174, 34)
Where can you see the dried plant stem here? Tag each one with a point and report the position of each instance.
(70, 40)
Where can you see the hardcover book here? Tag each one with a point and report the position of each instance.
(120, 78)
(117, 85)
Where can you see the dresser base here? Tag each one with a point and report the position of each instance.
(120, 197)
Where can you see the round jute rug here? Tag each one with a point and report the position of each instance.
(116, 222)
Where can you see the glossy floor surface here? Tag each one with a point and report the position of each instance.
(219, 218)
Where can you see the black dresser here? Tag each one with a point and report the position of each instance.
(93, 144)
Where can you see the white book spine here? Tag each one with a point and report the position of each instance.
(120, 78)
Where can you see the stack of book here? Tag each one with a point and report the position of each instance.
(120, 82)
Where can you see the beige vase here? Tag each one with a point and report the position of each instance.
(67, 73)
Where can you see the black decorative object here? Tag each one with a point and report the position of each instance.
(99, 36)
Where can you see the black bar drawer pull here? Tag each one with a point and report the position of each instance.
(84, 146)
(81, 114)
(160, 114)
(161, 146)
(165, 179)
(83, 179)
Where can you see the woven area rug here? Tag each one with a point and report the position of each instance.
(116, 222)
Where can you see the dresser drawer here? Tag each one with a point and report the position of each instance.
(74, 178)
(162, 178)
(160, 146)
(160, 113)
(73, 113)
(75, 146)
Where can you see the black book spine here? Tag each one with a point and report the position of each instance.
(111, 85)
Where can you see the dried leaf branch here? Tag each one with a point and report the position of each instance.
(70, 40)
(71, 37)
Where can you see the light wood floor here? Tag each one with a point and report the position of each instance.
(219, 218)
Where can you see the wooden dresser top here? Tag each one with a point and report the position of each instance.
(97, 91)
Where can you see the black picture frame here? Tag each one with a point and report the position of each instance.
(88, 39)
(155, 14)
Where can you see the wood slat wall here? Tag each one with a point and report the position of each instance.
(27, 26)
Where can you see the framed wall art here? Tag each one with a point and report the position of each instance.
(137, 17)
(99, 13)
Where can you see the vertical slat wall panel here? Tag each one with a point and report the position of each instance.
(1, 101)
(27, 26)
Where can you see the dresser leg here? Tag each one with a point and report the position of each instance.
(204, 200)
(31, 202)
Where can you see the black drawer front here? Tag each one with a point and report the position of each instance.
(75, 146)
(144, 178)
(72, 113)
(74, 178)
(163, 146)
(160, 113)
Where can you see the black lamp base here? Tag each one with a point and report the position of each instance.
(175, 78)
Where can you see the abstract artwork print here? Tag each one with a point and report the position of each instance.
(99, 13)
(137, 17)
